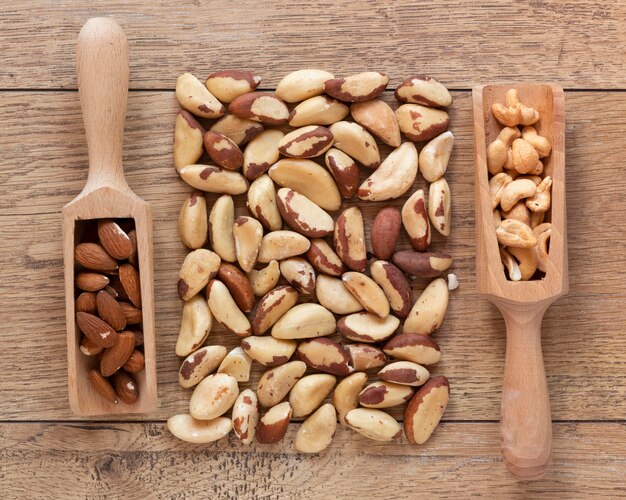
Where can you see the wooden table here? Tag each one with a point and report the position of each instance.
(46, 451)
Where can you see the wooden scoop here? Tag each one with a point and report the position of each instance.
(102, 57)
(525, 425)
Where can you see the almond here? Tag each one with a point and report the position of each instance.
(193, 223)
(213, 396)
(110, 290)
(186, 428)
(302, 215)
(129, 277)
(356, 142)
(309, 392)
(429, 309)
(367, 292)
(110, 310)
(377, 117)
(198, 268)
(188, 134)
(261, 153)
(199, 364)
(422, 89)
(279, 245)
(238, 285)
(440, 206)
(102, 386)
(223, 151)
(86, 302)
(349, 239)
(346, 395)
(421, 124)
(356, 88)
(424, 411)
(365, 356)
(276, 382)
(125, 387)
(302, 84)
(384, 395)
(420, 349)
(230, 84)
(117, 356)
(245, 416)
(236, 364)
(261, 107)
(221, 220)
(334, 296)
(263, 280)
(299, 273)
(415, 220)
(268, 351)
(423, 264)
(344, 170)
(306, 142)
(273, 425)
(319, 110)
(373, 424)
(213, 179)
(138, 337)
(133, 242)
(195, 325)
(91, 282)
(404, 372)
(325, 355)
(225, 309)
(238, 130)
(395, 286)
(248, 234)
(136, 363)
(89, 348)
(367, 327)
(393, 177)
(304, 321)
(93, 256)
(324, 259)
(262, 203)
(196, 98)
(98, 331)
(385, 232)
(316, 432)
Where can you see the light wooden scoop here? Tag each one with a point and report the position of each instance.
(525, 425)
(102, 58)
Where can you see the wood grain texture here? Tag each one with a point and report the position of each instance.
(576, 44)
(581, 333)
(145, 461)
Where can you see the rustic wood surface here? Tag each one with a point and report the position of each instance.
(45, 451)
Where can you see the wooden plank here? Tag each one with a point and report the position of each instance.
(39, 174)
(575, 44)
(145, 461)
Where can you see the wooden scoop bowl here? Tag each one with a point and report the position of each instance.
(525, 425)
(102, 57)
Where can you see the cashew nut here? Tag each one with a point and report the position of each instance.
(497, 218)
(541, 228)
(540, 143)
(511, 265)
(515, 191)
(514, 112)
(526, 260)
(496, 185)
(535, 178)
(540, 201)
(519, 212)
(524, 157)
(542, 249)
(513, 233)
(536, 219)
(498, 149)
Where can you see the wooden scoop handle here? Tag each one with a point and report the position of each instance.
(526, 425)
(102, 66)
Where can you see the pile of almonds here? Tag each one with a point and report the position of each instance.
(108, 307)
(520, 194)
(330, 284)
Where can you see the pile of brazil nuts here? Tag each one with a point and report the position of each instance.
(520, 194)
(108, 307)
(296, 284)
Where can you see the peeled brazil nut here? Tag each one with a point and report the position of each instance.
(424, 411)
(199, 364)
(304, 321)
(213, 179)
(262, 203)
(377, 117)
(405, 373)
(513, 233)
(367, 327)
(248, 233)
(309, 392)
(261, 153)
(279, 245)
(419, 123)
(272, 306)
(306, 142)
(239, 130)
(268, 351)
(245, 416)
(365, 356)
(385, 232)
(420, 349)
(238, 285)
(356, 142)
(213, 396)
(324, 259)
(221, 220)
(325, 355)
(429, 309)
(318, 110)
(367, 292)
(302, 215)
(384, 395)
(276, 382)
(316, 432)
(346, 395)
(225, 310)
(349, 239)
(193, 224)
(440, 206)
(395, 286)
(186, 428)
(273, 425)
(415, 220)
(299, 273)
(198, 268)
(359, 87)
(344, 170)
(236, 364)
(195, 325)
(422, 89)
(188, 135)
(223, 151)
(373, 424)
(435, 155)
(230, 84)
(261, 107)
(263, 280)
(423, 264)
(393, 177)
(309, 179)
(302, 84)
(196, 98)
(334, 296)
